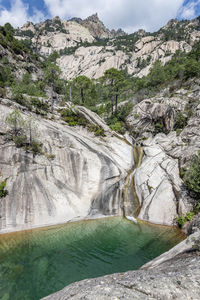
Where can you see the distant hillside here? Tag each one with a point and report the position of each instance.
(87, 47)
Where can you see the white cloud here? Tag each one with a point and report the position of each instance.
(18, 14)
(189, 10)
(127, 14)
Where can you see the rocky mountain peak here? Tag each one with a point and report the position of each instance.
(118, 32)
(56, 19)
(141, 32)
(93, 18)
(77, 20)
(96, 27)
(171, 23)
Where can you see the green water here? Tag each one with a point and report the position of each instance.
(39, 262)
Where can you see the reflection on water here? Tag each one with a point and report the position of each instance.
(39, 262)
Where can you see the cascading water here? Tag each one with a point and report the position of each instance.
(131, 204)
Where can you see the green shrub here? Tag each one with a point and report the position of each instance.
(3, 191)
(28, 86)
(182, 172)
(99, 132)
(181, 121)
(192, 176)
(159, 127)
(39, 104)
(181, 221)
(189, 216)
(20, 141)
(72, 123)
(136, 116)
(6, 76)
(118, 127)
(34, 147)
(49, 156)
(21, 99)
(197, 208)
(178, 131)
(117, 121)
(73, 118)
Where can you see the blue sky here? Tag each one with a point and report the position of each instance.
(129, 15)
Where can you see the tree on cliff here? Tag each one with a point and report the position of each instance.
(16, 122)
(192, 176)
(83, 91)
(23, 133)
(114, 80)
(82, 83)
(52, 78)
(31, 130)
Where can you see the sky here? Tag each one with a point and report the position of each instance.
(130, 15)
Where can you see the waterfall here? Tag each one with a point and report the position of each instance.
(131, 204)
(118, 197)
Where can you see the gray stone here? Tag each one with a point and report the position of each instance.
(85, 178)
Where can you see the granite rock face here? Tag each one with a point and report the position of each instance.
(91, 61)
(84, 178)
(89, 176)
(159, 187)
(149, 112)
(160, 190)
(95, 59)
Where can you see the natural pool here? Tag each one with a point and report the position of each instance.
(39, 262)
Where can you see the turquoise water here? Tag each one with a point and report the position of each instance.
(39, 262)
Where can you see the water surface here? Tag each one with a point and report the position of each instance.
(39, 262)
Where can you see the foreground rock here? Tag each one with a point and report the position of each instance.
(170, 278)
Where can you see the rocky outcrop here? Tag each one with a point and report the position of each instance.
(97, 28)
(98, 176)
(176, 277)
(160, 190)
(20, 63)
(56, 34)
(150, 112)
(77, 175)
(161, 113)
(93, 61)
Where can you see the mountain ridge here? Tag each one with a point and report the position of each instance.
(87, 47)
